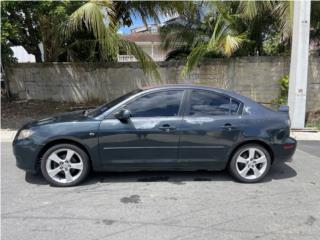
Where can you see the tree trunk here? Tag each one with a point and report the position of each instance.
(37, 54)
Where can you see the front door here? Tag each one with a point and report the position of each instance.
(149, 139)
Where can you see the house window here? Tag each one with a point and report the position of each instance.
(154, 29)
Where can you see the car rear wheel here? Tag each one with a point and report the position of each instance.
(65, 165)
(250, 163)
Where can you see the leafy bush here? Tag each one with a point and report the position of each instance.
(284, 88)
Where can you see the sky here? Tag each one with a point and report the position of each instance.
(137, 22)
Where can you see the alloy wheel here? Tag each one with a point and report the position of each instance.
(251, 163)
(64, 165)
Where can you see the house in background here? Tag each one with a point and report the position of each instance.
(22, 55)
(147, 38)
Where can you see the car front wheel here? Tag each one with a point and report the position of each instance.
(65, 165)
(250, 163)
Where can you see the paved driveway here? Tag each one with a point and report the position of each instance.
(165, 205)
(311, 147)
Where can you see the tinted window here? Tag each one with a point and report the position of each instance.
(111, 104)
(160, 104)
(204, 103)
(234, 107)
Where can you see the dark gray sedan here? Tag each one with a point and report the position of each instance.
(177, 127)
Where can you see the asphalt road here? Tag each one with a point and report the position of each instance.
(165, 205)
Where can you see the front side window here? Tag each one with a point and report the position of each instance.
(99, 110)
(205, 103)
(159, 104)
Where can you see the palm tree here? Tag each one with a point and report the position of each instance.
(282, 10)
(102, 19)
(215, 33)
(228, 28)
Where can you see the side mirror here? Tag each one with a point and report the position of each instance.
(124, 115)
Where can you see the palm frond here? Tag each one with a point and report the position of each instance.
(284, 11)
(177, 35)
(218, 30)
(250, 9)
(88, 16)
(94, 17)
(224, 40)
(145, 10)
(194, 58)
(146, 62)
(232, 43)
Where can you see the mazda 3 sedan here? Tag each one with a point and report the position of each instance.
(176, 127)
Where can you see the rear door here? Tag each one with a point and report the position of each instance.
(210, 126)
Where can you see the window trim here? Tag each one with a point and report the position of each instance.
(240, 108)
(123, 105)
(188, 103)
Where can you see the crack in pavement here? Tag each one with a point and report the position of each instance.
(100, 220)
(236, 219)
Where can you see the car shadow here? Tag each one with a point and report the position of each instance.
(278, 171)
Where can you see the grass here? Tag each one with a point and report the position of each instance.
(314, 125)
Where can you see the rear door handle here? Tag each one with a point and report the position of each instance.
(167, 128)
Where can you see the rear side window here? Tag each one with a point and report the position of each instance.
(205, 103)
(159, 104)
(234, 107)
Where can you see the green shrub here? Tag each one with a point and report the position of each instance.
(284, 88)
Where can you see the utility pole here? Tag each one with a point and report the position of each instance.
(299, 63)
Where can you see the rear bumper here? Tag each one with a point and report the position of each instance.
(284, 152)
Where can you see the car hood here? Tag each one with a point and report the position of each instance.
(75, 116)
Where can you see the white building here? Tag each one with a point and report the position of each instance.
(22, 55)
(148, 38)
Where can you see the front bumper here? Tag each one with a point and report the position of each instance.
(284, 151)
(26, 153)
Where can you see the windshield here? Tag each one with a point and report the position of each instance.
(97, 111)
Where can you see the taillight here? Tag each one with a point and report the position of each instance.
(288, 146)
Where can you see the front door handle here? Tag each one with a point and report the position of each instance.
(167, 128)
(228, 127)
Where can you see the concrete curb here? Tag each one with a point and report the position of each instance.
(306, 136)
(8, 135)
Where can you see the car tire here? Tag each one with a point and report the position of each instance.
(65, 165)
(250, 163)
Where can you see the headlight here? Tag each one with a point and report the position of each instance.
(25, 133)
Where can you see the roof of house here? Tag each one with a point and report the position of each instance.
(142, 37)
(143, 28)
